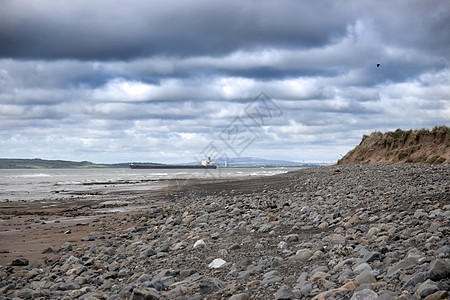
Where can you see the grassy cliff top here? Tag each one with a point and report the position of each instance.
(423, 145)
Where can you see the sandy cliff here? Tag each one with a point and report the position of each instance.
(430, 146)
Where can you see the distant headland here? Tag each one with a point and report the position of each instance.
(37, 163)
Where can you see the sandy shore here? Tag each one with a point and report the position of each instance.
(28, 228)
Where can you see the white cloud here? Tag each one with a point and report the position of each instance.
(159, 93)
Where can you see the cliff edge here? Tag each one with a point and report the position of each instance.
(430, 146)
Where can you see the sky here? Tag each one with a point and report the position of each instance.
(113, 81)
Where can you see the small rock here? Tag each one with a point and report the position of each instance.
(25, 293)
(349, 286)
(199, 244)
(284, 293)
(217, 263)
(301, 255)
(415, 279)
(365, 277)
(364, 295)
(241, 296)
(427, 288)
(385, 297)
(235, 247)
(372, 256)
(144, 294)
(208, 285)
(438, 295)
(282, 245)
(158, 285)
(271, 279)
(336, 238)
(404, 264)
(439, 269)
(20, 262)
(361, 268)
(291, 238)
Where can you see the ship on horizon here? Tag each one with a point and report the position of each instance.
(205, 164)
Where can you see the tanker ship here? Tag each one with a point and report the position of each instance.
(206, 164)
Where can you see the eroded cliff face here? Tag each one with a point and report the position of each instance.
(430, 146)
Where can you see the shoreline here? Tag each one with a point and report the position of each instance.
(27, 228)
(331, 231)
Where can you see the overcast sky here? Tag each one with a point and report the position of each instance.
(170, 81)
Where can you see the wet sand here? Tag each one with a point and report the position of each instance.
(27, 229)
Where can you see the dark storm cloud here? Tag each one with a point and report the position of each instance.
(124, 30)
(116, 30)
(128, 79)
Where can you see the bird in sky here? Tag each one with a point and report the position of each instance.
(378, 65)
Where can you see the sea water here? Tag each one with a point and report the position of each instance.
(48, 184)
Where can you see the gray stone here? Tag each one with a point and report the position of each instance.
(365, 286)
(365, 277)
(158, 285)
(144, 294)
(148, 252)
(25, 293)
(364, 295)
(209, 284)
(284, 293)
(361, 268)
(66, 247)
(69, 286)
(271, 279)
(265, 228)
(241, 296)
(186, 273)
(415, 279)
(385, 297)
(427, 288)
(245, 274)
(144, 278)
(404, 264)
(306, 288)
(111, 275)
(372, 256)
(245, 261)
(439, 269)
(235, 247)
(303, 277)
(443, 250)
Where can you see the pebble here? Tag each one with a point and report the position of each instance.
(199, 244)
(365, 277)
(217, 263)
(366, 294)
(284, 293)
(427, 288)
(369, 231)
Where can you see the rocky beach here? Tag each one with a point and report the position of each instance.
(356, 231)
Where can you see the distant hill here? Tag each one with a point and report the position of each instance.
(36, 163)
(257, 162)
(429, 146)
